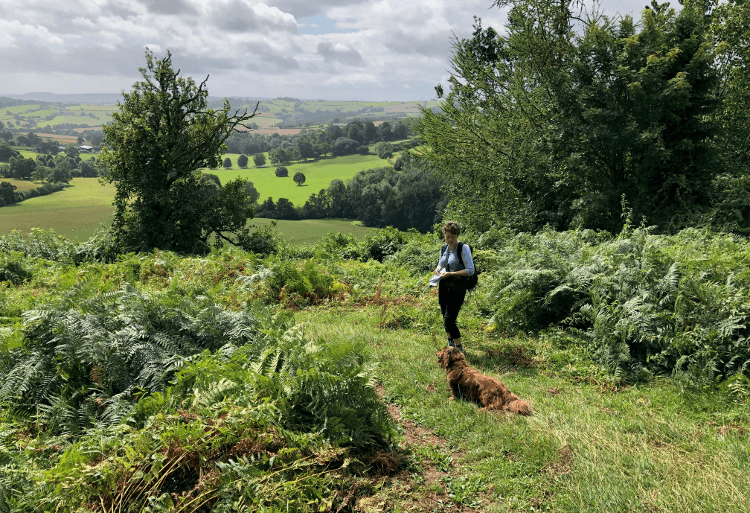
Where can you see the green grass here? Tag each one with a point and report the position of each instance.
(20, 109)
(588, 447)
(309, 231)
(318, 174)
(81, 209)
(591, 445)
(75, 212)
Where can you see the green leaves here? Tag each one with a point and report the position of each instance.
(547, 125)
(648, 304)
(161, 136)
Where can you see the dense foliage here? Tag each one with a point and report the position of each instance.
(127, 379)
(649, 304)
(160, 138)
(561, 118)
(410, 197)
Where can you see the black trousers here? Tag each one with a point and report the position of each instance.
(451, 294)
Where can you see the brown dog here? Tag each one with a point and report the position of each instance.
(466, 382)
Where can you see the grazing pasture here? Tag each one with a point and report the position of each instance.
(318, 174)
(82, 208)
(310, 231)
(75, 212)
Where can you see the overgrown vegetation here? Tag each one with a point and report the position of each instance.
(160, 382)
(557, 120)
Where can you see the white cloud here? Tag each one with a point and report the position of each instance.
(375, 49)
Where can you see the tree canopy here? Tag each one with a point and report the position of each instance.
(161, 136)
(565, 116)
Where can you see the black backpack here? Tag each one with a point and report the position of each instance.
(471, 281)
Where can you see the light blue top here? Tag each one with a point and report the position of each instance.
(449, 260)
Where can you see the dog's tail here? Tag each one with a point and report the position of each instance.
(520, 407)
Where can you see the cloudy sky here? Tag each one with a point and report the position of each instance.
(329, 49)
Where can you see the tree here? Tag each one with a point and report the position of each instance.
(305, 149)
(227, 163)
(59, 175)
(355, 134)
(285, 209)
(345, 146)
(282, 171)
(299, 178)
(383, 150)
(7, 193)
(259, 160)
(732, 188)
(337, 198)
(161, 135)
(71, 150)
(278, 156)
(88, 170)
(33, 139)
(323, 148)
(21, 168)
(251, 193)
(371, 132)
(6, 152)
(267, 209)
(400, 131)
(242, 161)
(385, 131)
(552, 126)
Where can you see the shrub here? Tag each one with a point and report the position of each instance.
(86, 359)
(649, 304)
(12, 269)
(295, 285)
(282, 171)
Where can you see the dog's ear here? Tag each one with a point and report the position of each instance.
(443, 358)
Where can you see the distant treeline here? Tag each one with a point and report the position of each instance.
(51, 166)
(9, 196)
(404, 197)
(314, 143)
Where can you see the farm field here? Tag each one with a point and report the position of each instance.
(79, 211)
(76, 212)
(310, 231)
(318, 174)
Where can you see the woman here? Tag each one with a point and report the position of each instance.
(452, 286)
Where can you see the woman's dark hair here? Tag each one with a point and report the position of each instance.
(452, 227)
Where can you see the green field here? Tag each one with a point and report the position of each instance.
(309, 231)
(80, 210)
(75, 212)
(318, 174)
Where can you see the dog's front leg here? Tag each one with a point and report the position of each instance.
(455, 389)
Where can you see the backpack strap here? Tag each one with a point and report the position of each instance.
(459, 250)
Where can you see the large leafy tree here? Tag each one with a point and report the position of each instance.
(729, 27)
(548, 125)
(160, 138)
(633, 119)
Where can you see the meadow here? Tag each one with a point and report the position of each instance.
(318, 175)
(85, 206)
(286, 333)
(76, 212)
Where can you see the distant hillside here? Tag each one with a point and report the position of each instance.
(76, 112)
(90, 99)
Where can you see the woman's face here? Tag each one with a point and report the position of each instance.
(450, 238)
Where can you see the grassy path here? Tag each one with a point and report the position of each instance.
(589, 445)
